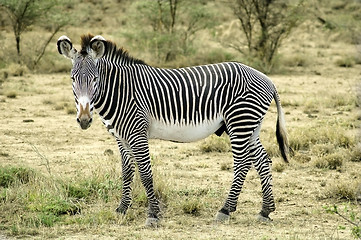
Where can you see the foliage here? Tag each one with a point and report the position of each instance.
(9, 175)
(168, 28)
(350, 215)
(345, 61)
(215, 144)
(265, 25)
(356, 153)
(343, 190)
(192, 207)
(332, 161)
(24, 14)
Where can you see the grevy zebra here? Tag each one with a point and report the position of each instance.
(136, 102)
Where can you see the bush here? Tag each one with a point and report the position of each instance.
(332, 161)
(11, 94)
(350, 215)
(355, 155)
(301, 158)
(304, 138)
(343, 190)
(15, 70)
(296, 60)
(215, 144)
(278, 167)
(192, 207)
(345, 61)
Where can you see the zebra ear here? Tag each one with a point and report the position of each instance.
(97, 47)
(65, 47)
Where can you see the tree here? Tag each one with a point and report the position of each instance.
(265, 24)
(25, 13)
(168, 27)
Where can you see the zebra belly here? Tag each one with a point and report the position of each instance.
(181, 132)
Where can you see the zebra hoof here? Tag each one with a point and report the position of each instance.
(121, 210)
(264, 219)
(222, 217)
(152, 222)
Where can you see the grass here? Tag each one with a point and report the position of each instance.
(305, 138)
(356, 153)
(11, 94)
(79, 197)
(343, 190)
(10, 175)
(345, 61)
(215, 144)
(40, 200)
(332, 161)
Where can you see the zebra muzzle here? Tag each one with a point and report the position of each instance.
(84, 117)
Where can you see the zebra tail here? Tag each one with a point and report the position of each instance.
(281, 132)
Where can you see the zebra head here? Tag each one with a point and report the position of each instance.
(84, 74)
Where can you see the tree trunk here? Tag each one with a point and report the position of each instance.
(17, 39)
(42, 51)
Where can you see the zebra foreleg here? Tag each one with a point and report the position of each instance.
(127, 174)
(262, 164)
(142, 157)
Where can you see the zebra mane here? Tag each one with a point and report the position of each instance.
(111, 50)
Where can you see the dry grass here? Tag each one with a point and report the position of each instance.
(84, 186)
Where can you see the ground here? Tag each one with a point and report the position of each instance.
(39, 131)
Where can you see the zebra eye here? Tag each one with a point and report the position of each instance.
(72, 79)
(95, 79)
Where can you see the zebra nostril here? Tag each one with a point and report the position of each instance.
(78, 120)
(90, 121)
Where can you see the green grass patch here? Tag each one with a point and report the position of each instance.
(10, 175)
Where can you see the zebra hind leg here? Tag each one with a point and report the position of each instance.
(242, 164)
(262, 164)
(240, 125)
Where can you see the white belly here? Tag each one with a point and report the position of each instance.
(181, 132)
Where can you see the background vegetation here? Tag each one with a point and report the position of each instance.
(57, 181)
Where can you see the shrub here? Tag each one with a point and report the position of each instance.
(345, 61)
(15, 70)
(71, 110)
(302, 158)
(343, 190)
(332, 161)
(278, 167)
(192, 207)
(297, 60)
(215, 144)
(350, 215)
(355, 155)
(11, 94)
(304, 138)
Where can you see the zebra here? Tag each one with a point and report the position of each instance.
(137, 102)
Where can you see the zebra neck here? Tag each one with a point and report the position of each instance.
(115, 90)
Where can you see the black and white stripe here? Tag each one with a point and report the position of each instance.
(137, 102)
